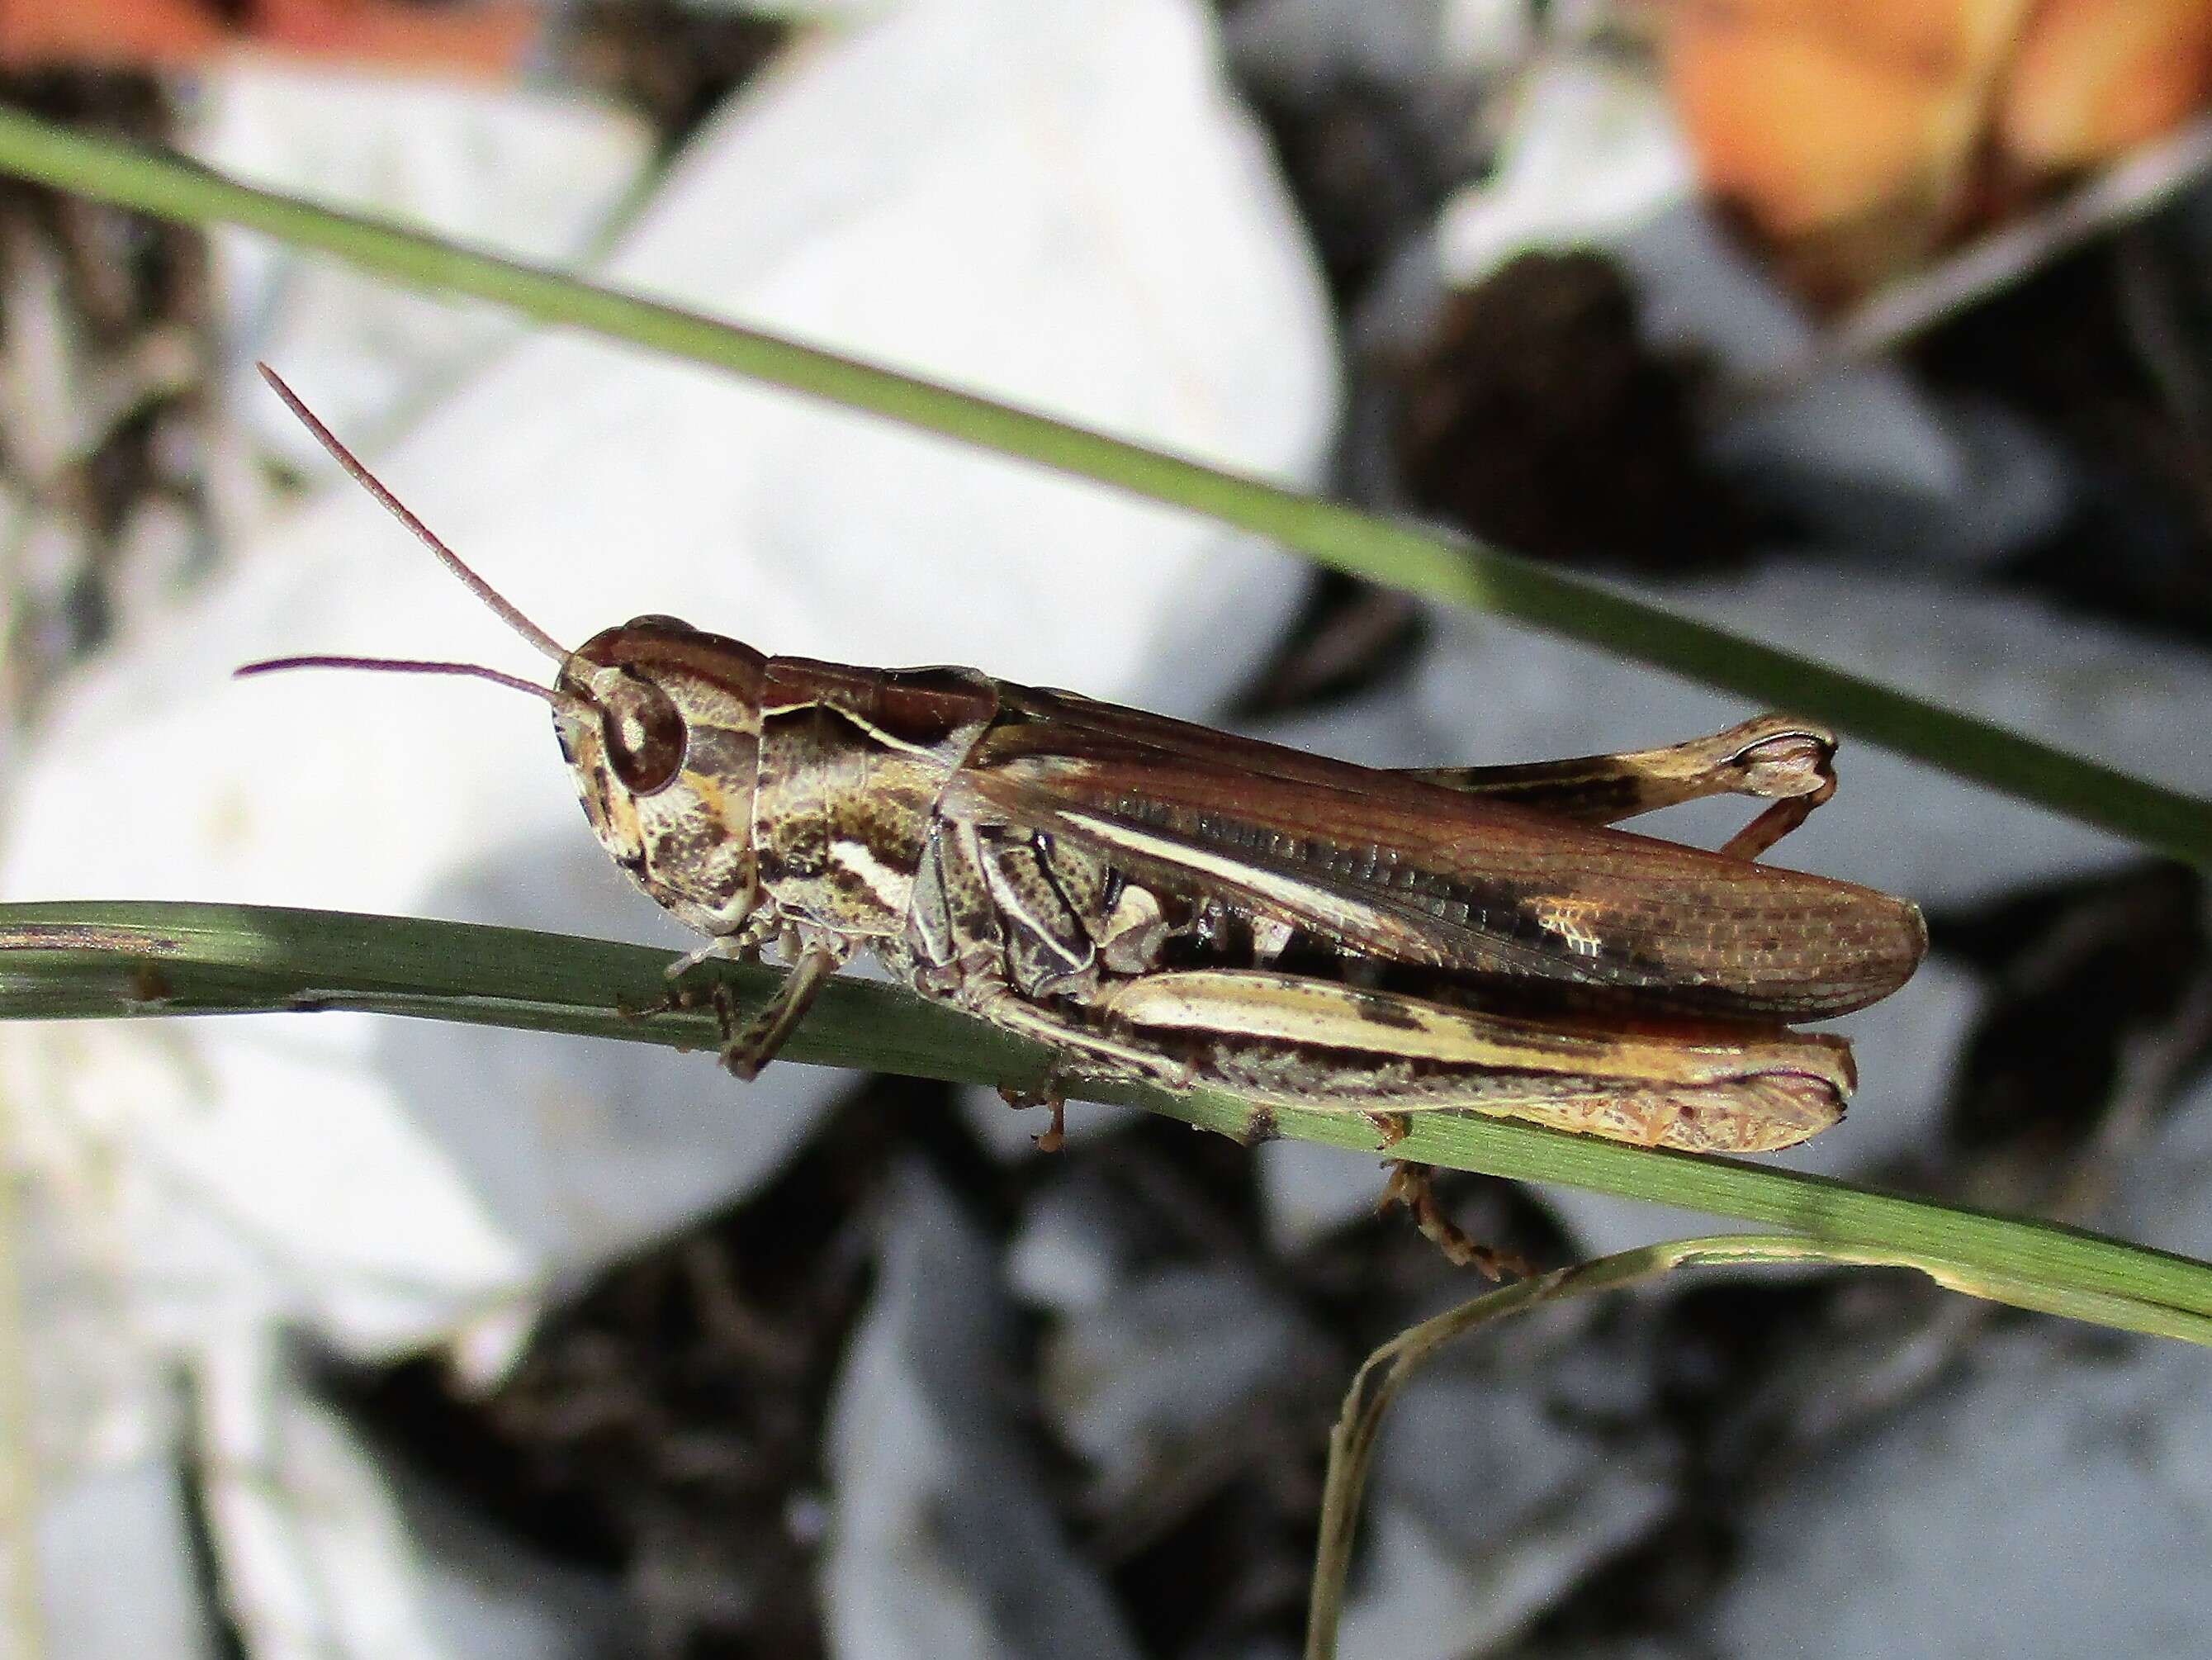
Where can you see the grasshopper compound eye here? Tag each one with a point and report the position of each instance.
(646, 736)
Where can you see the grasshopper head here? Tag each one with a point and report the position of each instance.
(660, 723)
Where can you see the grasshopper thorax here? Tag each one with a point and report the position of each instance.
(660, 724)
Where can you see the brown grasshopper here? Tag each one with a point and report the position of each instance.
(1164, 902)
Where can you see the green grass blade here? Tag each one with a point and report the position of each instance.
(1434, 564)
(70, 960)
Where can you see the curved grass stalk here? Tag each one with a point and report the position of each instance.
(1387, 1371)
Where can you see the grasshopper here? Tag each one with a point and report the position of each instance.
(1161, 901)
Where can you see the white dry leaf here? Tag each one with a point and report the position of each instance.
(1077, 1239)
(127, 1515)
(1045, 200)
(1487, 37)
(1159, 1386)
(1307, 1191)
(943, 1540)
(1592, 152)
(321, 1538)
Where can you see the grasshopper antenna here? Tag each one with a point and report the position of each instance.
(559, 700)
(452, 561)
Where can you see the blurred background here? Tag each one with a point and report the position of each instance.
(1882, 331)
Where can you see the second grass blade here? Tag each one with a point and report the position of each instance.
(1435, 564)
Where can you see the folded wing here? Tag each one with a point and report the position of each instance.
(1395, 867)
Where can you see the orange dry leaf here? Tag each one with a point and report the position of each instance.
(2095, 78)
(39, 34)
(1858, 136)
(1818, 111)
(488, 39)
